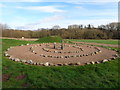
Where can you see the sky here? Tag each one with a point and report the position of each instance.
(34, 14)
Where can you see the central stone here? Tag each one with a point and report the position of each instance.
(61, 46)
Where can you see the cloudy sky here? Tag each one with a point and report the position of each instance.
(34, 14)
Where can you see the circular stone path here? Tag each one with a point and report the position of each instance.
(73, 54)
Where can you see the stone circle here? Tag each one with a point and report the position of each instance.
(51, 55)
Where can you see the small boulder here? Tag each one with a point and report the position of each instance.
(105, 60)
(55, 51)
(113, 58)
(11, 47)
(59, 64)
(24, 61)
(50, 55)
(10, 57)
(55, 65)
(41, 54)
(83, 55)
(46, 64)
(34, 63)
(86, 54)
(6, 54)
(17, 60)
(109, 59)
(38, 63)
(66, 56)
(92, 62)
(62, 56)
(74, 55)
(30, 62)
(80, 55)
(13, 59)
(33, 51)
(57, 56)
(77, 56)
(87, 63)
(60, 51)
(96, 52)
(65, 64)
(78, 63)
(44, 55)
(97, 62)
(92, 54)
(41, 64)
(8, 49)
(116, 55)
(100, 51)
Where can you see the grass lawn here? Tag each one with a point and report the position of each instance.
(114, 42)
(19, 75)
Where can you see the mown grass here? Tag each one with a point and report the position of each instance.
(114, 42)
(103, 75)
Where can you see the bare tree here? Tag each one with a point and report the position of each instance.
(4, 26)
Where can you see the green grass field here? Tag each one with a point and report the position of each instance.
(114, 42)
(103, 75)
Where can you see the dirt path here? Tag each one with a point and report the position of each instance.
(109, 45)
(25, 39)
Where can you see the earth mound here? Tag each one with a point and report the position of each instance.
(50, 39)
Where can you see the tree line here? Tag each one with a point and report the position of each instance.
(102, 32)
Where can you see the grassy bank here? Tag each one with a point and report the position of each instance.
(19, 75)
(114, 42)
(50, 39)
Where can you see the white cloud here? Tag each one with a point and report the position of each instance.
(52, 18)
(94, 22)
(50, 9)
(105, 0)
(21, 0)
(45, 21)
(78, 7)
(65, 22)
(48, 22)
(100, 13)
(70, 1)
(2, 5)
(93, 2)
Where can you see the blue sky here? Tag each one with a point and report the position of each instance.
(39, 14)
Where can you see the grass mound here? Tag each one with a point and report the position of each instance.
(50, 39)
